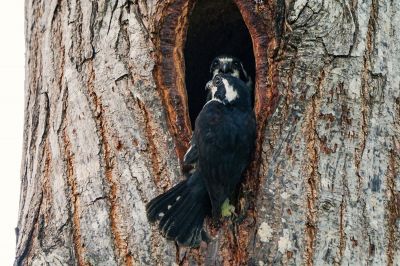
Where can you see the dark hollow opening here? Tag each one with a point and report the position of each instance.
(215, 27)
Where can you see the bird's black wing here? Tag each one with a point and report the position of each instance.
(225, 140)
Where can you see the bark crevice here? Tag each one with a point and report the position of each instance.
(74, 196)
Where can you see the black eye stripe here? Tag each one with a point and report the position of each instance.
(237, 65)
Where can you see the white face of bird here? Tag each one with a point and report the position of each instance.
(228, 65)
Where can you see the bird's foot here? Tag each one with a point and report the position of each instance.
(226, 209)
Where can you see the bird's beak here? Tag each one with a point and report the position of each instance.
(224, 68)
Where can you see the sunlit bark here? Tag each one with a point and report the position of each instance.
(104, 132)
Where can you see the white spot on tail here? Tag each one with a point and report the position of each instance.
(161, 214)
(178, 198)
(169, 207)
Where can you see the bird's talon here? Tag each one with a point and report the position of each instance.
(227, 209)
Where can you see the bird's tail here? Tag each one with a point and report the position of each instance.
(180, 212)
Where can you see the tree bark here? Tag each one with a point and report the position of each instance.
(106, 125)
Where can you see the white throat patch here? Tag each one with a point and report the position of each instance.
(213, 90)
(213, 99)
(230, 93)
(236, 74)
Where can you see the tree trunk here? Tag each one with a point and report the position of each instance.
(107, 123)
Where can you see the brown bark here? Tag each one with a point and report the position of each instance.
(107, 123)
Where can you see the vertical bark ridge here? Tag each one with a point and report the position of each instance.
(393, 171)
(75, 202)
(366, 117)
(84, 136)
(312, 179)
(46, 210)
(168, 71)
(392, 209)
(107, 154)
(57, 45)
(22, 257)
(33, 167)
(375, 94)
(342, 235)
(395, 197)
(152, 147)
(33, 86)
(345, 121)
(154, 163)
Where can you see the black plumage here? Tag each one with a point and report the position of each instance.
(224, 136)
(228, 65)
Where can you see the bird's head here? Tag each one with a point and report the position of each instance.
(229, 90)
(230, 65)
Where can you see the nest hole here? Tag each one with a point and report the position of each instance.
(215, 27)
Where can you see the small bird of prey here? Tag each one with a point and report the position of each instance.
(224, 137)
(228, 65)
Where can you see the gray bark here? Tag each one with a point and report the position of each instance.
(99, 141)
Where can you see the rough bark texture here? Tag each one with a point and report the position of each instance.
(106, 124)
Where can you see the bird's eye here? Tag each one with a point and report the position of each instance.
(215, 63)
(217, 80)
(236, 64)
